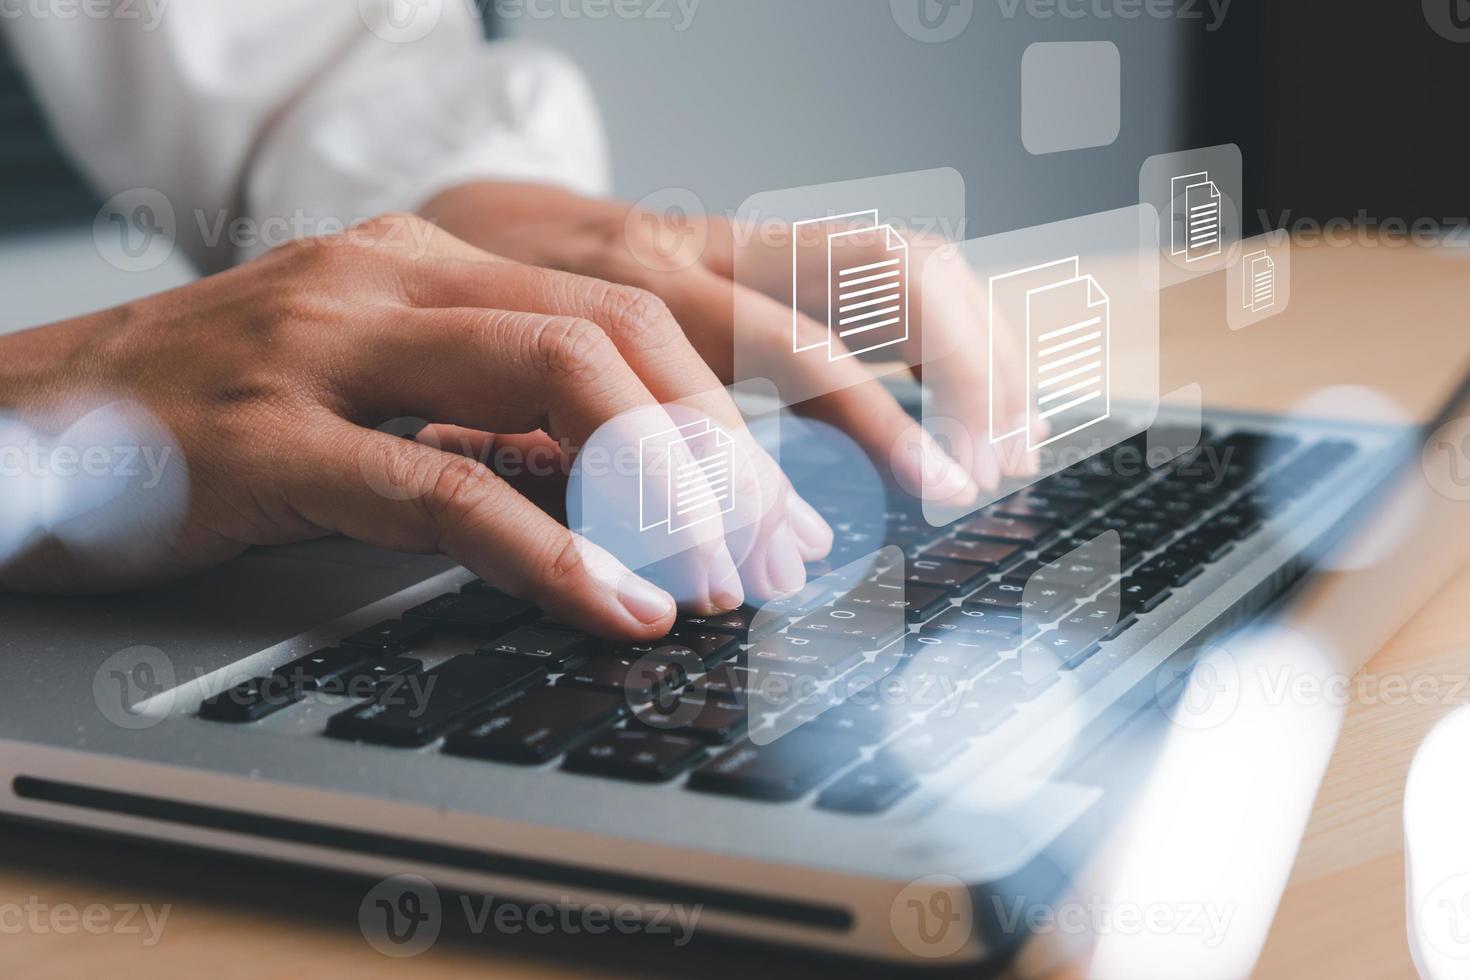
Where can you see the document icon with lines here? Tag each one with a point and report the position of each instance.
(1259, 281)
(687, 476)
(1065, 316)
(865, 266)
(1196, 224)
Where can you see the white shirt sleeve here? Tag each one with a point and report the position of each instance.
(270, 119)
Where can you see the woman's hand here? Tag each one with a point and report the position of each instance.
(695, 276)
(272, 377)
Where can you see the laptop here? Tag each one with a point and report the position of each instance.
(378, 714)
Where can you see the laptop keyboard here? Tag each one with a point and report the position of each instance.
(893, 704)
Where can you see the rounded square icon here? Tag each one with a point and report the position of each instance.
(1061, 360)
(1258, 279)
(1197, 194)
(1450, 19)
(1071, 95)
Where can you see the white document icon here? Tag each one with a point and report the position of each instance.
(1066, 317)
(1259, 281)
(698, 461)
(1195, 201)
(865, 269)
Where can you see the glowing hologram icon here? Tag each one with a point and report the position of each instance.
(697, 461)
(865, 268)
(1196, 225)
(1067, 319)
(1259, 281)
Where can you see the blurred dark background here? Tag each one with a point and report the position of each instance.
(1336, 109)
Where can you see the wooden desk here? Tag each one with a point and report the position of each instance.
(1359, 316)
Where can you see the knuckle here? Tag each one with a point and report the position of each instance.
(563, 566)
(570, 349)
(460, 492)
(635, 314)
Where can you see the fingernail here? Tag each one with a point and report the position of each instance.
(947, 481)
(812, 532)
(643, 600)
(783, 561)
(725, 590)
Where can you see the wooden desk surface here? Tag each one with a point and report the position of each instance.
(1358, 317)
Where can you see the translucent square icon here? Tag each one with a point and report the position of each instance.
(1070, 95)
(1258, 279)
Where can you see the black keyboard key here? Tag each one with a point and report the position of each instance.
(446, 694)
(1201, 548)
(390, 636)
(870, 788)
(1061, 579)
(537, 727)
(999, 624)
(914, 602)
(786, 769)
(1028, 506)
(1011, 595)
(484, 615)
(1234, 522)
(552, 648)
(635, 754)
(480, 587)
(1136, 594)
(708, 721)
(251, 700)
(1029, 532)
(372, 678)
(952, 576)
(736, 623)
(974, 551)
(816, 654)
(1174, 567)
(638, 679)
(1095, 623)
(710, 648)
(934, 668)
(322, 666)
(860, 627)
